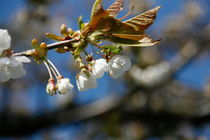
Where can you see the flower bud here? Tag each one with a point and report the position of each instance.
(63, 30)
(64, 85)
(99, 67)
(118, 65)
(53, 36)
(89, 58)
(51, 88)
(85, 80)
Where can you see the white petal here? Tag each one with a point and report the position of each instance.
(64, 86)
(3, 74)
(22, 59)
(5, 40)
(85, 82)
(116, 73)
(11, 69)
(99, 67)
(118, 65)
(92, 81)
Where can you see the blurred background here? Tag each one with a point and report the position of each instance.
(165, 95)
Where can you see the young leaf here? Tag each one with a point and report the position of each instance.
(112, 25)
(80, 23)
(129, 36)
(143, 21)
(131, 40)
(97, 7)
(97, 13)
(80, 47)
(113, 49)
(115, 8)
(136, 25)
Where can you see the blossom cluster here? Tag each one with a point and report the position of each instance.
(87, 77)
(103, 26)
(10, 67)
(116, 67)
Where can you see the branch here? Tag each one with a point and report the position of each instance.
(50, 46)
(18, 125)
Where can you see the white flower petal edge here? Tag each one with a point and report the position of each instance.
(85, 81)
(5, 40)
(64, 85)
(99, 67)
(22, 59)
(10, 69)
(118, 65)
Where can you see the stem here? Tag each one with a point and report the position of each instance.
(54, 72)
(49, 47)
(49, 71)
(53, 66)
(85, 53)
(94, 44)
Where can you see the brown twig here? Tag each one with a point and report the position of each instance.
(50, 46)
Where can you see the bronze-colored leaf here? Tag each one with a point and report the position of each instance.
(128, 33)
(130, 40)
(129, 36)
(115, 8)
(112, 25)
(143, 21)
(97, 13)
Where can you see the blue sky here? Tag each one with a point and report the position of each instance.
(199, 70)
(194, 74)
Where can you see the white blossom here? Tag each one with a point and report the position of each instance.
(64, 85)
(5, 40)
(99, 67)
(22, 59)
(118, 65)
(10, 67)
(85, 80)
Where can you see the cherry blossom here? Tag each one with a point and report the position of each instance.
(99, 67)
(85, 80)
(64, 85)
(118, 65)
(10, 67)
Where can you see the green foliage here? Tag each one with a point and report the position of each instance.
(113, 49)
(81, 24)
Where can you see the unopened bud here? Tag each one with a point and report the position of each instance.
(70, 31)
(64, 31)
(54, 37)
(60, 50)
(51, 88)
(89, 58)
(35, 43)
(43, 45)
